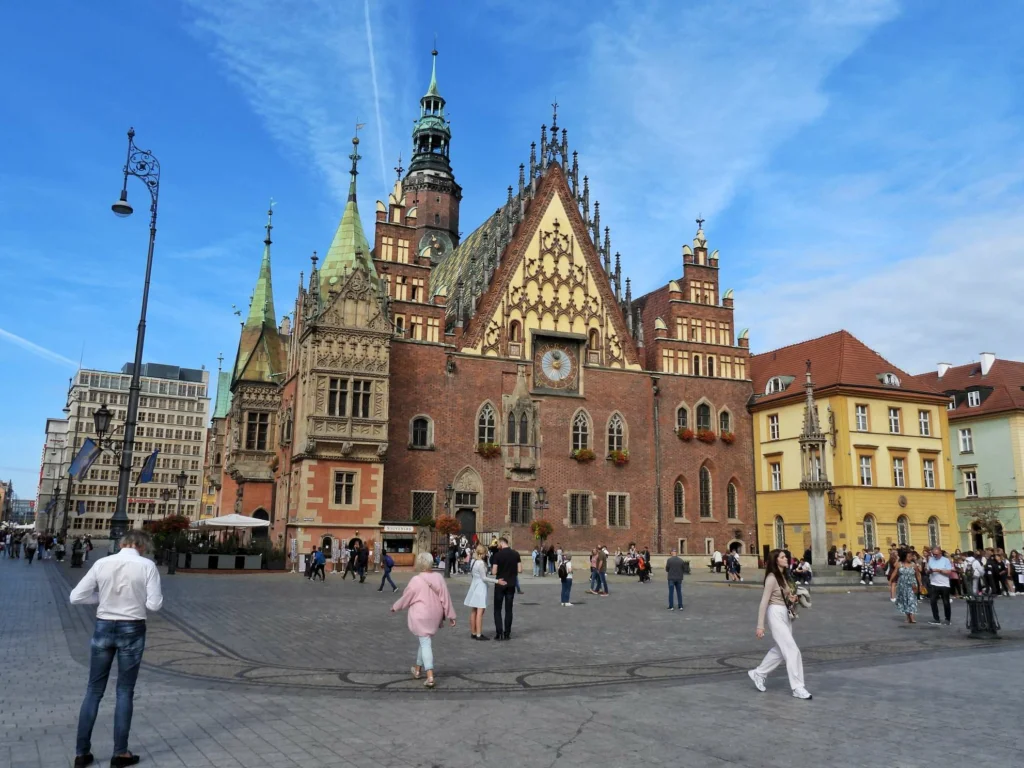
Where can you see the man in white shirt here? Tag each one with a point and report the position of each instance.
(939, 570)
(125, 586)
(716, 560)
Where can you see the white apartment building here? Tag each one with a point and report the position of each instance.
(173, 416)
(53, 469)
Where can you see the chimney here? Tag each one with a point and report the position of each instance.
(943, 367)
(987, 358)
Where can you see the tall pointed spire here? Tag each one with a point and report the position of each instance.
(261, 309)
(349, 249)
(431, 135)
(261, 353)
(432, 90)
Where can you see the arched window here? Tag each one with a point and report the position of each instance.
(869, 532)
(711, 366)
(724, 422)
(933, 532)
(594, 340)
(903, 531)
(682, 418)
(515, 331)
(485, 425)
(775, 384)
(705, 492)
(780, 533)
(524, 430)
(703, 417)
(732, 502)
(696, 365)
(510, 431)
(580, 432)
(420, 435)
(616, 433)
(679, 505)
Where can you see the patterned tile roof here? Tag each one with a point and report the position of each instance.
(838, 359)
(1001, 389)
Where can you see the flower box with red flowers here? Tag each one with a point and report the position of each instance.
(728, 438)
(686, 435)
(706, 436)
(621, 458)
(583, 454)
(488, 450)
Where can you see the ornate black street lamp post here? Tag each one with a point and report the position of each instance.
(142, 165)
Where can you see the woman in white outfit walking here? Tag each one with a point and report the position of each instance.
(476, 597)
(776, 601)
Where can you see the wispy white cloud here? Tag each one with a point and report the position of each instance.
(304, 70)
(943, 302)
(376, 89)
(35, 349)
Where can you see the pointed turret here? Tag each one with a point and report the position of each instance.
(261, 352)
(431, 136)
(349, 249)
(261, 309)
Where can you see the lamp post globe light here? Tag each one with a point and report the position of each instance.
(144, 166)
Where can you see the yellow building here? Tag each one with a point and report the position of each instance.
(887, 454)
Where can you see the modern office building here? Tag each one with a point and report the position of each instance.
(173, 412)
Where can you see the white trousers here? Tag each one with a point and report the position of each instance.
(784, 649)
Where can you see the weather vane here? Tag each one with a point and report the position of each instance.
(554, 118)
(700, 221)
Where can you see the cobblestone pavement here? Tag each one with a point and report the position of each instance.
(268, 670)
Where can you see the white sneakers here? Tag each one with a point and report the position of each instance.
(567, 605)
(758, 680)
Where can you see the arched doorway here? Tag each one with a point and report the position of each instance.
(977, 537)
(260, 533)
(467, 522)
(997, 537)
(327, 547)
(467, 499)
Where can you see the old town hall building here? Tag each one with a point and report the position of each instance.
(500, 377)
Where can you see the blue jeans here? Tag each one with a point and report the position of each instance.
(678, 587)
(595, 580)
(603, 581)
(387, 577)
(126, 640)
(566, 589)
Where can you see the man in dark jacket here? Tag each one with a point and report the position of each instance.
(674, 570)
(362, 560)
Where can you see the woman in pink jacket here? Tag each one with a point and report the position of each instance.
(426, 596)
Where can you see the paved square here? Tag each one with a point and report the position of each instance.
(270, 670)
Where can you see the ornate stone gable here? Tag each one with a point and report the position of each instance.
(551, 279)
(344, 367)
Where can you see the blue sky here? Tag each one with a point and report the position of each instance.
(858, 163)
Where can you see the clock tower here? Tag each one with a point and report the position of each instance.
(432, 196)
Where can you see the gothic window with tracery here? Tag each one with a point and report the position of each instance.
(485, 425)
(616, 433)
(580, 432)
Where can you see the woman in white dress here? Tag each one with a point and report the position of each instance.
(476, 598)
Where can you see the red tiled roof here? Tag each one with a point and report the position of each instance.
(838, 359)
(1002, 388)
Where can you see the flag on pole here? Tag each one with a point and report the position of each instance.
(80, 508)
(85, 458)
(50, 504)
(146, 474)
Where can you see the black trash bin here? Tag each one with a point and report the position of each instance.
(981, 615)
(686, 567)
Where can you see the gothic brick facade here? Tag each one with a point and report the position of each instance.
(502, 377)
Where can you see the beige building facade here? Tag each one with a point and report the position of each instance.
(173, 413)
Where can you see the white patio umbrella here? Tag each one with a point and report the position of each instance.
(229, 521)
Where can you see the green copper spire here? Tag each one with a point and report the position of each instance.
(349, 248)
(432, 90)
(261, 310)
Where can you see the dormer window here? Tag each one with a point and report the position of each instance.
(951, 405)
(889, 379)
(973, 398)
(775, 384)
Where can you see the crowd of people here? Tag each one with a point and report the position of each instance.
(32, 545)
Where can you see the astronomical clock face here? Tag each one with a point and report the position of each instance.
(556, 365)
(436, 245)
